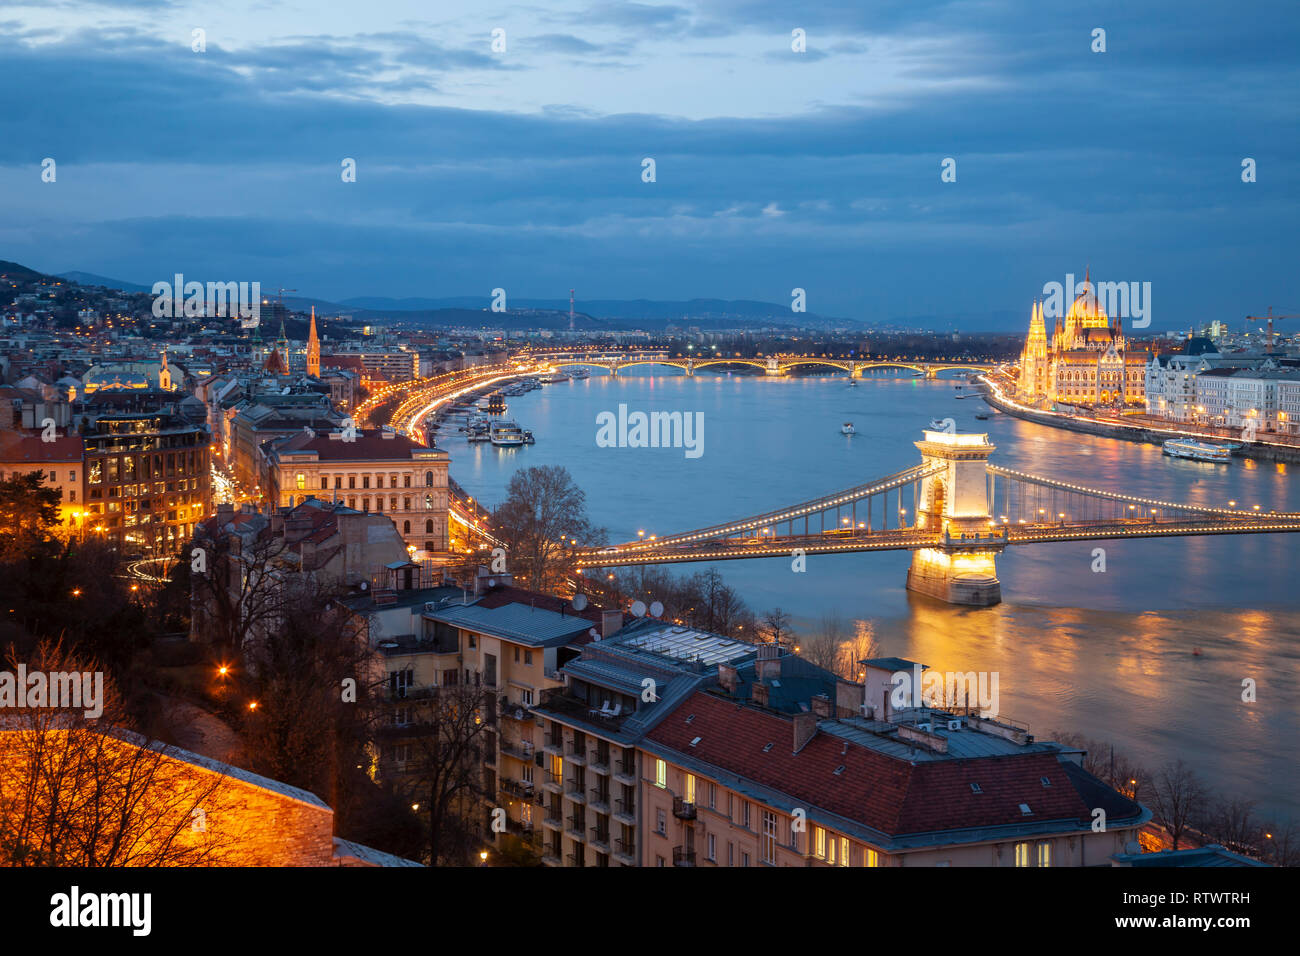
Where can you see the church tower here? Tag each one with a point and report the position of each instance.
(164, 374)
(313, 348)
(282, 346)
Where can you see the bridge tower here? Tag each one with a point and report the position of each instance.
(954, 503)
(690, 366)
(773, 367)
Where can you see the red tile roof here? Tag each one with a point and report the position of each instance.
(369, 445)
(887, 794)
(25, 447)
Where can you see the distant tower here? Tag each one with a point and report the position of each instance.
(282, 346)
(313, 348)
(570, 310)
(164, 374)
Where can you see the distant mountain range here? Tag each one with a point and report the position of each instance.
(595, 314)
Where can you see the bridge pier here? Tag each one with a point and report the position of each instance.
(930, 371)
(953, 502)
(772, 367)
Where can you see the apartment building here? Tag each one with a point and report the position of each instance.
(734, 782)
(148, 479)
(370, 470)
(60, 463)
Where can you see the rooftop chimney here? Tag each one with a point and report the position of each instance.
(610, 621)
(760, 693)
(805, 728)
(769, 662)
(728, 677)
(821, 706)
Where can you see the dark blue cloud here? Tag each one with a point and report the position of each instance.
(1129, 160)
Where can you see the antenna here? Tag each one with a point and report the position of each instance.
(570, 310)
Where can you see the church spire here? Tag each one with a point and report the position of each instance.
(313, 347)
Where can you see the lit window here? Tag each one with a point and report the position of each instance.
(873, 857)
(661, 774)
(1022, 854)
(690, 788)
(819, 843)
(1044, 854)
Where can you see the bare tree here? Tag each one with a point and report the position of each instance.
(443, 773)
(79, 791)
(776, 627)
(838, 647)
(1176, 797)
(236, 583)
(543, 517)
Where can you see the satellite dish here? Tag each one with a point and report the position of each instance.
(364, 586)
(579, 602)
(492, 582)
(638, 608)
(594, 635)
(656, 609)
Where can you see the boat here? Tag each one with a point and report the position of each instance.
(846, 428)
(528, 438)
(506, 434)
(937, 425)
(579, 373)
(982, 416)
(853, 383)
(1196, 450)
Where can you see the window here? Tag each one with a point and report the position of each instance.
(352, 481)
(661, 774)
(428, 479)
(365, 481)
(744, 814)
(1022, 854)
(301, 481)
(661, 822)
(690, 788)
(713, 796)
(1045, 854)
(731, 854)
(744, 859)
(768, 843)
(712, 852)
(843, 858)
(428, 526)
(659, 861)
(528, 658)
(324, 483)
(406, 481)
(516, 655)
(873, 857)
(819, 843)
(526, 697)
(406, 527)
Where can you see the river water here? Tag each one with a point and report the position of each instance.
(1109, 655)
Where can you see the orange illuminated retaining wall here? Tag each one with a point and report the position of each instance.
(213, 813)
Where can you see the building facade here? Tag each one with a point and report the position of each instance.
(1088, 361)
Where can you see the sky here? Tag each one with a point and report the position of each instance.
(522, 168)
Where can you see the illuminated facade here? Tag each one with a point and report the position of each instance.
(1088, 360)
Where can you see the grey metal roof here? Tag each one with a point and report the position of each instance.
(961, 743)
(514, 622)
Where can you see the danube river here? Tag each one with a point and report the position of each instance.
(1109, 655)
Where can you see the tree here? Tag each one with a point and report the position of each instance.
(444, 774)
(544, 512)
(838, 648)
(237, 587)
(29, 512)
(84, 791)
(776, 627)
(315, 682)
(1176, 797)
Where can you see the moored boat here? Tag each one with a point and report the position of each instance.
(506, 434)
(1196, 450)
(846, 428)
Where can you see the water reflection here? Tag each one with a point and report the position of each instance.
(1111, 654)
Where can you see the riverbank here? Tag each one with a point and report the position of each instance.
(1261, 451)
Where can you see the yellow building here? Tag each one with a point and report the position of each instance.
(60, 463)
(1088, 361)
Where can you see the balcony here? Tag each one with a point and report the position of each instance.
(599, 800)
(518, 749)
(576, 754)
(625, 850)
(600, 838)
(599, 762)
(625, 810)
(554, 744)
(575, 828)
(683, 810)
(625, 771)
(551, 858)
(575, 859)
(683, 856)
(575, 791)
(423, 692)
(552, 781)
(553, 821)
(559, 701)
(516, 788)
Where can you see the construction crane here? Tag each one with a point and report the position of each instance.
(1269, 319)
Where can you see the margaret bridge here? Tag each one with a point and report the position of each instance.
(775, 365)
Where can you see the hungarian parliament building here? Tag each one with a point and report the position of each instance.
(1088, 361)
